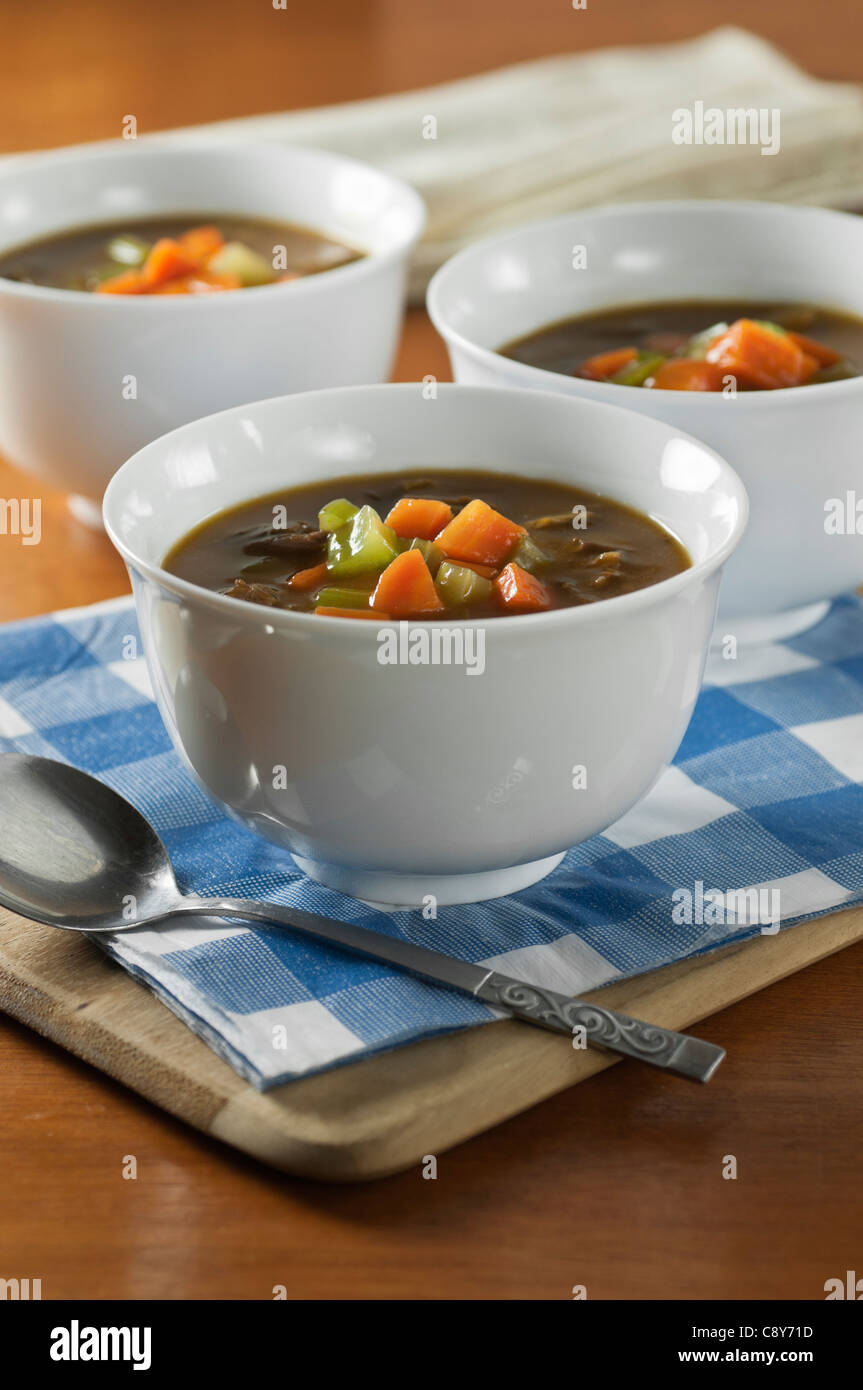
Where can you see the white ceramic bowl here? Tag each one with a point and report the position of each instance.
(399, 781)
(794, 449)
(67, 358)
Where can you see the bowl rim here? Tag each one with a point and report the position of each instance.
(605, 390)
(287, 619)
(369, 262)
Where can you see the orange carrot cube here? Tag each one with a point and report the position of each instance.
(167, 261)
(406, 588)
(127, 282)
(520, 592)
(825, 356)
(687, 374)
(200, 243)
(419, 518)
(761, 358)
(479, 535)
(309, 579)
(605, 364)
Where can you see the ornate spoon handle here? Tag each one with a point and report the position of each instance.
(629, 1037)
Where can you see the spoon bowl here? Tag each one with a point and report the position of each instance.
(74, 853)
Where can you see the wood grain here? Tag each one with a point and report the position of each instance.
(611, 1184)
(376, 1117)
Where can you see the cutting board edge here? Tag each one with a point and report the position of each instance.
(440, 1092)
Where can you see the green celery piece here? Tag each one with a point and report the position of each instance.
(430, 553)
(363, 545)
(699, 342)
(127, 249)
(235, 258)
(458, 585)
(335, 596)
(636, 373)
(528, 555)
(336, 513)
(774, 327)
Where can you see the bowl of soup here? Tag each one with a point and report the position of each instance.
(143, 287)
(741, 323)
(426, 642)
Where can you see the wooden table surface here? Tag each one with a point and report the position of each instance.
(616, 1185)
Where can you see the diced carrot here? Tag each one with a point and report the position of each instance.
(309, 579)
(824, 356)
(761, 358)
(520, 592)
(419, 517)
(200, 282)
(182, 285)
(200, 243)
(687, 374)
(479, 535)
(167, 261)
(127, 282)
(605, 364)
(204, 280)
(350, 613)
(406, 588)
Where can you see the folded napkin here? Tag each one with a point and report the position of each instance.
(546, 137)
(765, 793)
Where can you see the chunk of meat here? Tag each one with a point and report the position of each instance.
(288, 542)
(266, 594)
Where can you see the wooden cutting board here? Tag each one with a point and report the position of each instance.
(378, 1116)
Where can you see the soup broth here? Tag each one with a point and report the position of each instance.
(216, 251)
(464, 544)
(698, 345)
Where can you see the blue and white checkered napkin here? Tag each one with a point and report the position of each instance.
(766, 791)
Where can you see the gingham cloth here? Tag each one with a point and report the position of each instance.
(765, 791)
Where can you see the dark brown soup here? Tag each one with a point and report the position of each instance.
(446, 544)
(700, 345)
(182, 254)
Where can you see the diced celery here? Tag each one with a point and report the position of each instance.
(699, 343)
(336, 513)
(336, 597)
(128, 250)
(234, 258)
(528, 555)
(430, 553)
(362, 545)
(458, 585)
(774, 327)
(636, 372)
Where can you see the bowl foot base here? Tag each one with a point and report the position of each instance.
(85, 510)
(408, 891)
(776, 627)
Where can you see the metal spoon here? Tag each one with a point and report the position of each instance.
(75, 854)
